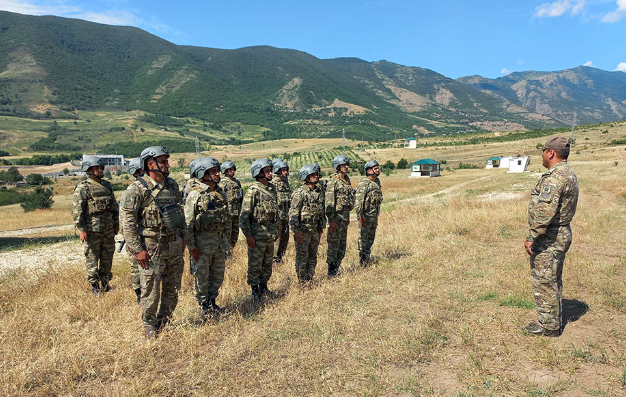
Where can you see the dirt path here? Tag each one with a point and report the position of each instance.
(443, 191)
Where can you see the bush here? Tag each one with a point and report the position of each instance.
(11, 196)
(465, 166)
(41, 198)
(11, 175)
(403, 164)
(37, 179)
(389, 165)
(107, 174)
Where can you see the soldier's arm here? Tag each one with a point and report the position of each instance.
(322, 221)
(116, 211)
(294, 211)
(130, 207)
(360, 200)
(545, 208)
(190, 218)
(330, 201)
(79, 209)
(246, 213)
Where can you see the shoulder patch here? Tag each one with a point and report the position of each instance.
(546, 193)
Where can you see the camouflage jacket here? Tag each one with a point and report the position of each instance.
(206, 211)
(368, 198)
(94, 206)
(339, 198)
(234, 194)
(141, 215)
(553, 200)
(189, 185)
(283, 192)
(307, 210)
(259, 211)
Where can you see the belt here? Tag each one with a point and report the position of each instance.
(160, 240)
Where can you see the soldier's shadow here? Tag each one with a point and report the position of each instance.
(573, 309)
(248, 307)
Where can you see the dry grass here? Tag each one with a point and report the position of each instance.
(439, 313)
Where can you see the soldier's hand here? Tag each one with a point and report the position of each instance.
(83, 236)
(195, 253)
(362, 222)
(143, 258)
(184, 246)
(251, 241)
(116, 229)
(332, 227)
(528, 245)
(299, 236)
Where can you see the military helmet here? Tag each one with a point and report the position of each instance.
(278, 164)
(340, 160)
(90, 161)
(199, 166)
(370, 164)
(306, 171)
(258, 165)
(152, 151)
(192, 165)
(226, 165)
(133, 165)
(317, 168)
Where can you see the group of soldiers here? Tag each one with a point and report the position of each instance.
(158, 221)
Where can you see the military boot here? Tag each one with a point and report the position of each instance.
(138, 293)
(537, 329)
(264, 290)
(95, 289)
(257, 295)
(363, 261)
(105, 286)
(151, 332)
(214, 307)
(161, 322)
(333, 267)
(277, 260)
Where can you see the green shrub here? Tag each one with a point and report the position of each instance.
(11, 196)
(40, 198)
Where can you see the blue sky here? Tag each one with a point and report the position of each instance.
(457, 38)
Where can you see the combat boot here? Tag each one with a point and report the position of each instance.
(214, 307)
(364, 261)
(138, 293)
(277, 260)
(105, 286)
(95, 289)
(257, 295)
(333, 267)
(151, 332)
(161, 322)
(537, 329)
(264, 290)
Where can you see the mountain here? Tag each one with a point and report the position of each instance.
(595, 95)
(52, 66)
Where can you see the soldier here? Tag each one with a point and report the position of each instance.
(307, 220)
(232, 187)
(368, 198)
(154, 231)
(339, 202)
(258, 222)
(134, 168)
(206, 215)
(96, 216)
(283, 191)
(551, 209)
(191, 182)
(320, 183)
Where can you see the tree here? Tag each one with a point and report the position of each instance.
(389, 165)
(11, 175)
(181, 162)
(40, 198)
(403, 164)
(34, 179)
(66, 171)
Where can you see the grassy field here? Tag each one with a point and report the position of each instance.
(438, 313)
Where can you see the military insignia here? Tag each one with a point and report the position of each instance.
(547, 193)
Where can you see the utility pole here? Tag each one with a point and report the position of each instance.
(343, 140)
(197, 147)
(571, 138)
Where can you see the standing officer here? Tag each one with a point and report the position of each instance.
(134, 168)
(206, 215)
(258, 222)
(339, 202)
(96, 216)
(368, 198)
(154, 231)
(234, 193)
(307, 220)
(551, 209)
(283, 192)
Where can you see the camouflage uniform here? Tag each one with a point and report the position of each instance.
(306, 215)
(95, 211)
(206, 215)
(283, 191)
(234, 194)
(552, 206)
(339, 202)
(135, 281)
(368, 198)
(259, 216)
(145, 228)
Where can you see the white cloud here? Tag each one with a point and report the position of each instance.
(618, 14)
(23, 7)
(505, 71)
(558, 8)
(588, 63)
(521, 61)
(114, 17)
(621, 67)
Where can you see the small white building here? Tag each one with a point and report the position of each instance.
(425, 168)
(504, 161)
(493, 162)
(112, 162)
(410, 143)
(519, 164)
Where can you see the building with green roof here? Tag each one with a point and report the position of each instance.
(425, 168)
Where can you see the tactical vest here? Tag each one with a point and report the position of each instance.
(344, 196)
(212, 211)
(283, 192)
(161, 211)
(312, 207)
(99, 198)
(266, 207)
(234, 194)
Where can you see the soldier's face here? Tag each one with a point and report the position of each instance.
(230, 172)
(212, 174)
(546, 156)
(283, 172)
(267, 172)
(375, 170)
(98, 171)
(343, 168)
(313, 178)
(163, 162)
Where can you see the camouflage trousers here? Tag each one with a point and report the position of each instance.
(99, 249)
(233, 231)
(209, 270)
(306, 255)
(367, 234)
(280, 246)
(546, 271)
(337, 243)
(135, 279)
(160, 282)
(260, 261)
